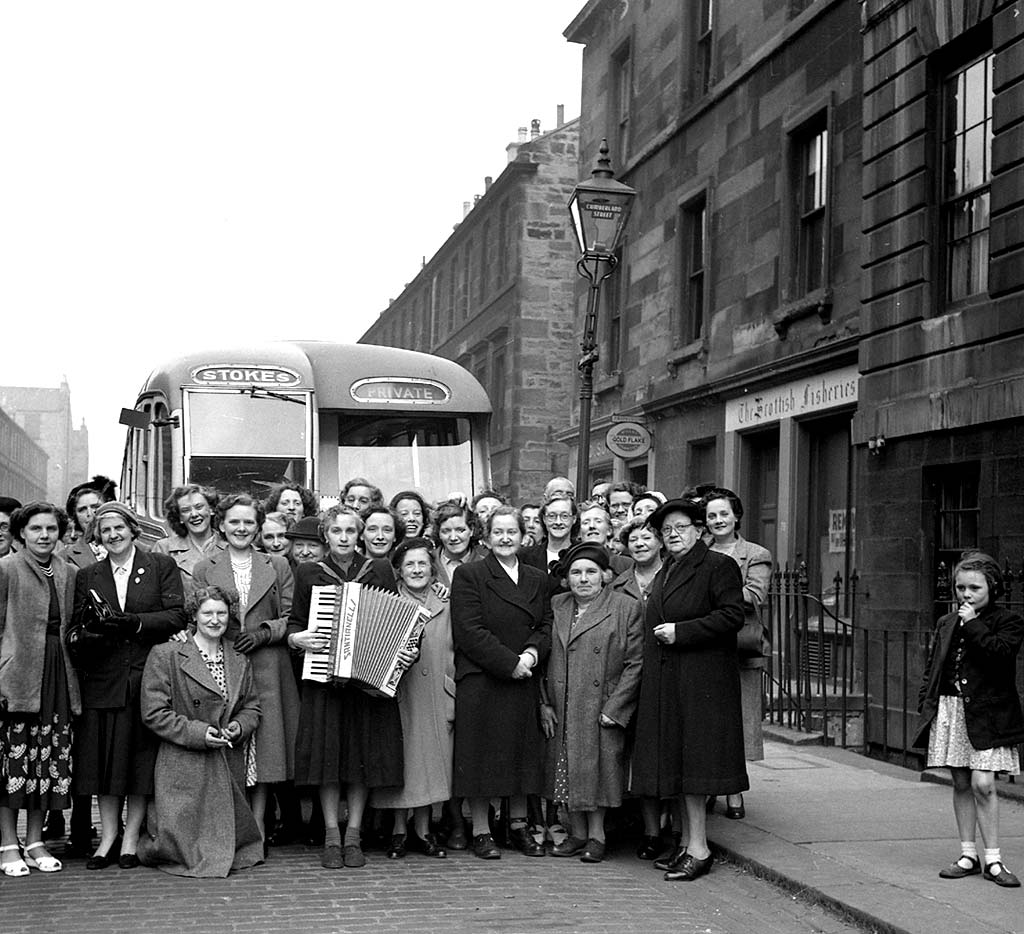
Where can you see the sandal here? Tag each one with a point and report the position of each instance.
(44, 863)
(17, 867)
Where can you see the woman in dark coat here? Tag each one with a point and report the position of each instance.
(971, 717)
(346, 736)
(689, 724)
(200, 698)
(114, 752)
(501, 624)
(590, 691)
(38, 688)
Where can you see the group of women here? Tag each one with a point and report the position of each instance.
(168, 676)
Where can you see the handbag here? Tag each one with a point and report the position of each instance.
(86, 643)
(751, 640)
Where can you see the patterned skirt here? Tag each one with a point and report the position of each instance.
(949, 745)
(35, 749)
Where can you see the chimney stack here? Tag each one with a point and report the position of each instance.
(466, 208)
(522, 134)
(488, 181)
(534, 129)
(561, 115)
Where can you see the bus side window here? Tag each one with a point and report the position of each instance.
(162, 466)
(141, 443)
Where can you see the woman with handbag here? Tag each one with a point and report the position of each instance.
(38, 688)
(724, 510)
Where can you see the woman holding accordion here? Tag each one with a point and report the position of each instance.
(346, 736)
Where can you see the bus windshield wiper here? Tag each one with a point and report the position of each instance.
(256, 393)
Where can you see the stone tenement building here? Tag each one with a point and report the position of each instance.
(822, 287)
(45, 416)
(497, 298)
(733, 324)
(22, 463)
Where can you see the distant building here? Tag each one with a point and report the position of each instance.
(45, 416)
(497, 298)
(22, 463)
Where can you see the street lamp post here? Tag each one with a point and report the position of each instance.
(599, 209)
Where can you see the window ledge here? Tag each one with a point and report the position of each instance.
(608, 382)
(695, 350)
(818, 302)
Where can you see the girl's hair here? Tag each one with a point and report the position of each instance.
(241, 499)
(173, 513)
(20, 517)
(340, 510)
(734, 501)
(630, 527)
(310, 504)
(505, 511)
(986, 566)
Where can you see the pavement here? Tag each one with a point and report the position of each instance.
(867, 840)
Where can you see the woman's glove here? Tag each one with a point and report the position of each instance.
(246, 642)
(122, 626)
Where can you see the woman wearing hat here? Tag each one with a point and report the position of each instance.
(83, 501)
(689, 725)
(114, 752)
(590, 691)
(307, 542)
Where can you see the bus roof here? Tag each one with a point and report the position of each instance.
(343, 376)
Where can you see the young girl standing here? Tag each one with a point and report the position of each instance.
(971, 713)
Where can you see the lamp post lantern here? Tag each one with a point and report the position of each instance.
(599, 209)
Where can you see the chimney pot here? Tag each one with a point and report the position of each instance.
(561, 115)
(522, 134)
(534, 129)
(488, 181)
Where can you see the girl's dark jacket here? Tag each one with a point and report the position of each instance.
(987, 677)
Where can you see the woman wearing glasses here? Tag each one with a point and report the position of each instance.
(689, 727)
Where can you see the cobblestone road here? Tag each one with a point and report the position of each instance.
(291, 893)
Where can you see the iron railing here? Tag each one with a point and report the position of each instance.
(856, 684)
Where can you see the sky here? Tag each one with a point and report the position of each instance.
(184, 174)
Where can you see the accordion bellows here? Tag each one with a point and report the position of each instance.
(368, 627)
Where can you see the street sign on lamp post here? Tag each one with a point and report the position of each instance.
(599, 209)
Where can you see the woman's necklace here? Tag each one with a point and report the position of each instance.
(47, 568)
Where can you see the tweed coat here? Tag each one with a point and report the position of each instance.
(270, 602)
(593, 669)
(112, 677)
(79, 554)
(426, 702)
(499, 745)
(199, 821)
(24, 607)
(988, 671)
(689, 730)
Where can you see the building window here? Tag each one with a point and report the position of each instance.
(503, 259)
(693, 228)
(811, 189)
(615, 296)
(437, 305)
(966, 176)
(484, 270)
(956, 512)
(621, 92)
(453, 286)
(467, 279)
(705, 35)
(703, 462)
(498, 420)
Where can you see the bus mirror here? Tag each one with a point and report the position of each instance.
(133, 418)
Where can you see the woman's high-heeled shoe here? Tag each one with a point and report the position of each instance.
(16, 867)
(736, 813)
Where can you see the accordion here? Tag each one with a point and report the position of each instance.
(368, 627)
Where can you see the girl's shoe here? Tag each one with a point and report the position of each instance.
(957, 870)
(16, 867)
(44, 862)
(1001, 876)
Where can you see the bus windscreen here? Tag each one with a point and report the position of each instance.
(398, 452)
(237, 424)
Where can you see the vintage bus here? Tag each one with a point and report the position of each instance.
(242, 418)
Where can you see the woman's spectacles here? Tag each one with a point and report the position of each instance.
(678, 529)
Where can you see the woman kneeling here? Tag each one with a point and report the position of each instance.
(200, 699)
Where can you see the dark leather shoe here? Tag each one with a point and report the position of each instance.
(353, 856)
(955, 871)
(690, 868)
(485, 847)
(128, 861)
(331, 858)
(396, 848)
(594, 852)
(523, 841)
(457, 839)
(650, 848)
(570, 846)
(99, 862)
(429, 845)
(671, 861)
(1001, 877)
(736, 813)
